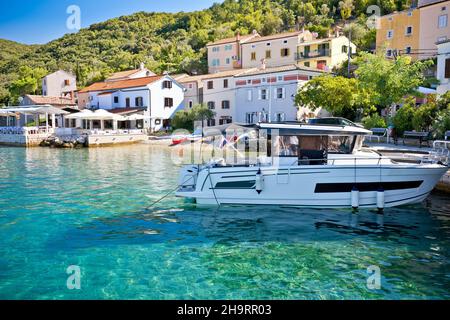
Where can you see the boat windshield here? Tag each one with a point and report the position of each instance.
(297, 146)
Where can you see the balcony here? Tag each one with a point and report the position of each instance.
(313, 54)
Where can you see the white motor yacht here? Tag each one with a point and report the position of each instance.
(312, 165)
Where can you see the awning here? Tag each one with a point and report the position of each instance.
(34, 110)
(99, 114)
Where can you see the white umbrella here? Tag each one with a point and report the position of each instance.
(102, 114)
(135, 117)
(83, 114)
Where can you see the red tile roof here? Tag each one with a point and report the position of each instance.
(122, 74)
(58, 101)
(121, 84)
(233, 39)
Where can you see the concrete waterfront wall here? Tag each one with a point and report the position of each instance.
(22, 140)
(444, 184)
(108, 140)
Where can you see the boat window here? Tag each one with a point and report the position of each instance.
(340, 144)
(286, 146)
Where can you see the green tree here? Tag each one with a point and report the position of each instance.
(184, 119)
(29, 81)
(389, 81)
(338, 95)
(403, 119)
(373, 121)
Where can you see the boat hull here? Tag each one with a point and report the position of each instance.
(315, 186)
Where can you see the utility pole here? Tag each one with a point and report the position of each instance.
(349, 50)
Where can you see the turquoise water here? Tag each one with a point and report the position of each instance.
(87, 208)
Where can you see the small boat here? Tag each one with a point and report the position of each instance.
(311, 165)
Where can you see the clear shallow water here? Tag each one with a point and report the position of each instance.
(87, 208)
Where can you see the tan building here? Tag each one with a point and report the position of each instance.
(219, 95)
(59, 84)
(415, 31)
(277, 50)
(324, 54)
(193, 85)
(399, 33)
(141, 72)
(434, 27)
(226, 54)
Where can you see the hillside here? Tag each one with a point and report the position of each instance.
(171, 42)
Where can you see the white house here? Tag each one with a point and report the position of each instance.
(267, 94)
(443, 66)
(59, 84)
(157, 97)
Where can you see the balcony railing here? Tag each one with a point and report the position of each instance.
(313, 54)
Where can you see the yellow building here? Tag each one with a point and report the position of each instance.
(399, 33)
(324, 54)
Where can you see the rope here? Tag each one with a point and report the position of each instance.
(167, 194)
(212, 188)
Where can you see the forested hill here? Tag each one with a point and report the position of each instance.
(170, 42)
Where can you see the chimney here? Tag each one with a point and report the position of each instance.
(254, 32)
(238, 36)
(142, 66)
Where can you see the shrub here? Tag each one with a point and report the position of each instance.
(441, 123)
(374, 121)
(403, 119)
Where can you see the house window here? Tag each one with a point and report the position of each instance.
(442, 21)
(139, 102)
(251, 117)
(389, 53)
(225, 104)
(215, 62)
(253, 56)
(190, 104)
(116, 99)
(211, 105)
(190, 86)
(215, 49)
(263, 94)
(280, 117)
(167, 84)
(307, 64)
(285, 41)
(268, 54)
(344, 49)
(447, 69)
(408, 30)
(210, 85)
(227, 60)
(211, 122)
(249, 95)
(249, 81)
(225, 83)
(390, 34)
(409, 14)
(280, 93)
(268, 44)
(408, 50)
(285, 52)
(168, 102)
(228, 47)
(127, 102)
(225, 120)
(280, 78)
(66, 82)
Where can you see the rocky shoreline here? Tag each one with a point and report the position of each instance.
(65, 142)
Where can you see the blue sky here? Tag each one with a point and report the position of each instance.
(34, 22)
